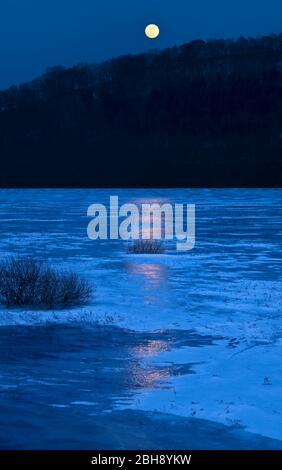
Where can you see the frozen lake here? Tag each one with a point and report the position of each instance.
(192, 338)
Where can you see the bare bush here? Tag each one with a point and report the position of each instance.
(28, 282)
(146, 247)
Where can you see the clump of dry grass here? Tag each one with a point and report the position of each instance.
(31, 283)
(146, 247)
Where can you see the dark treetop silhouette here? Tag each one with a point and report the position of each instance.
(203, 114)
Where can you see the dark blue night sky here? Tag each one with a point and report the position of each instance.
(37, 34)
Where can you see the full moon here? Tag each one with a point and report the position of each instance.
(152, 31)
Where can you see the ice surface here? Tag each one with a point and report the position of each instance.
(228, 287)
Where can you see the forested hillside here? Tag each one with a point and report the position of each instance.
(202, 114)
